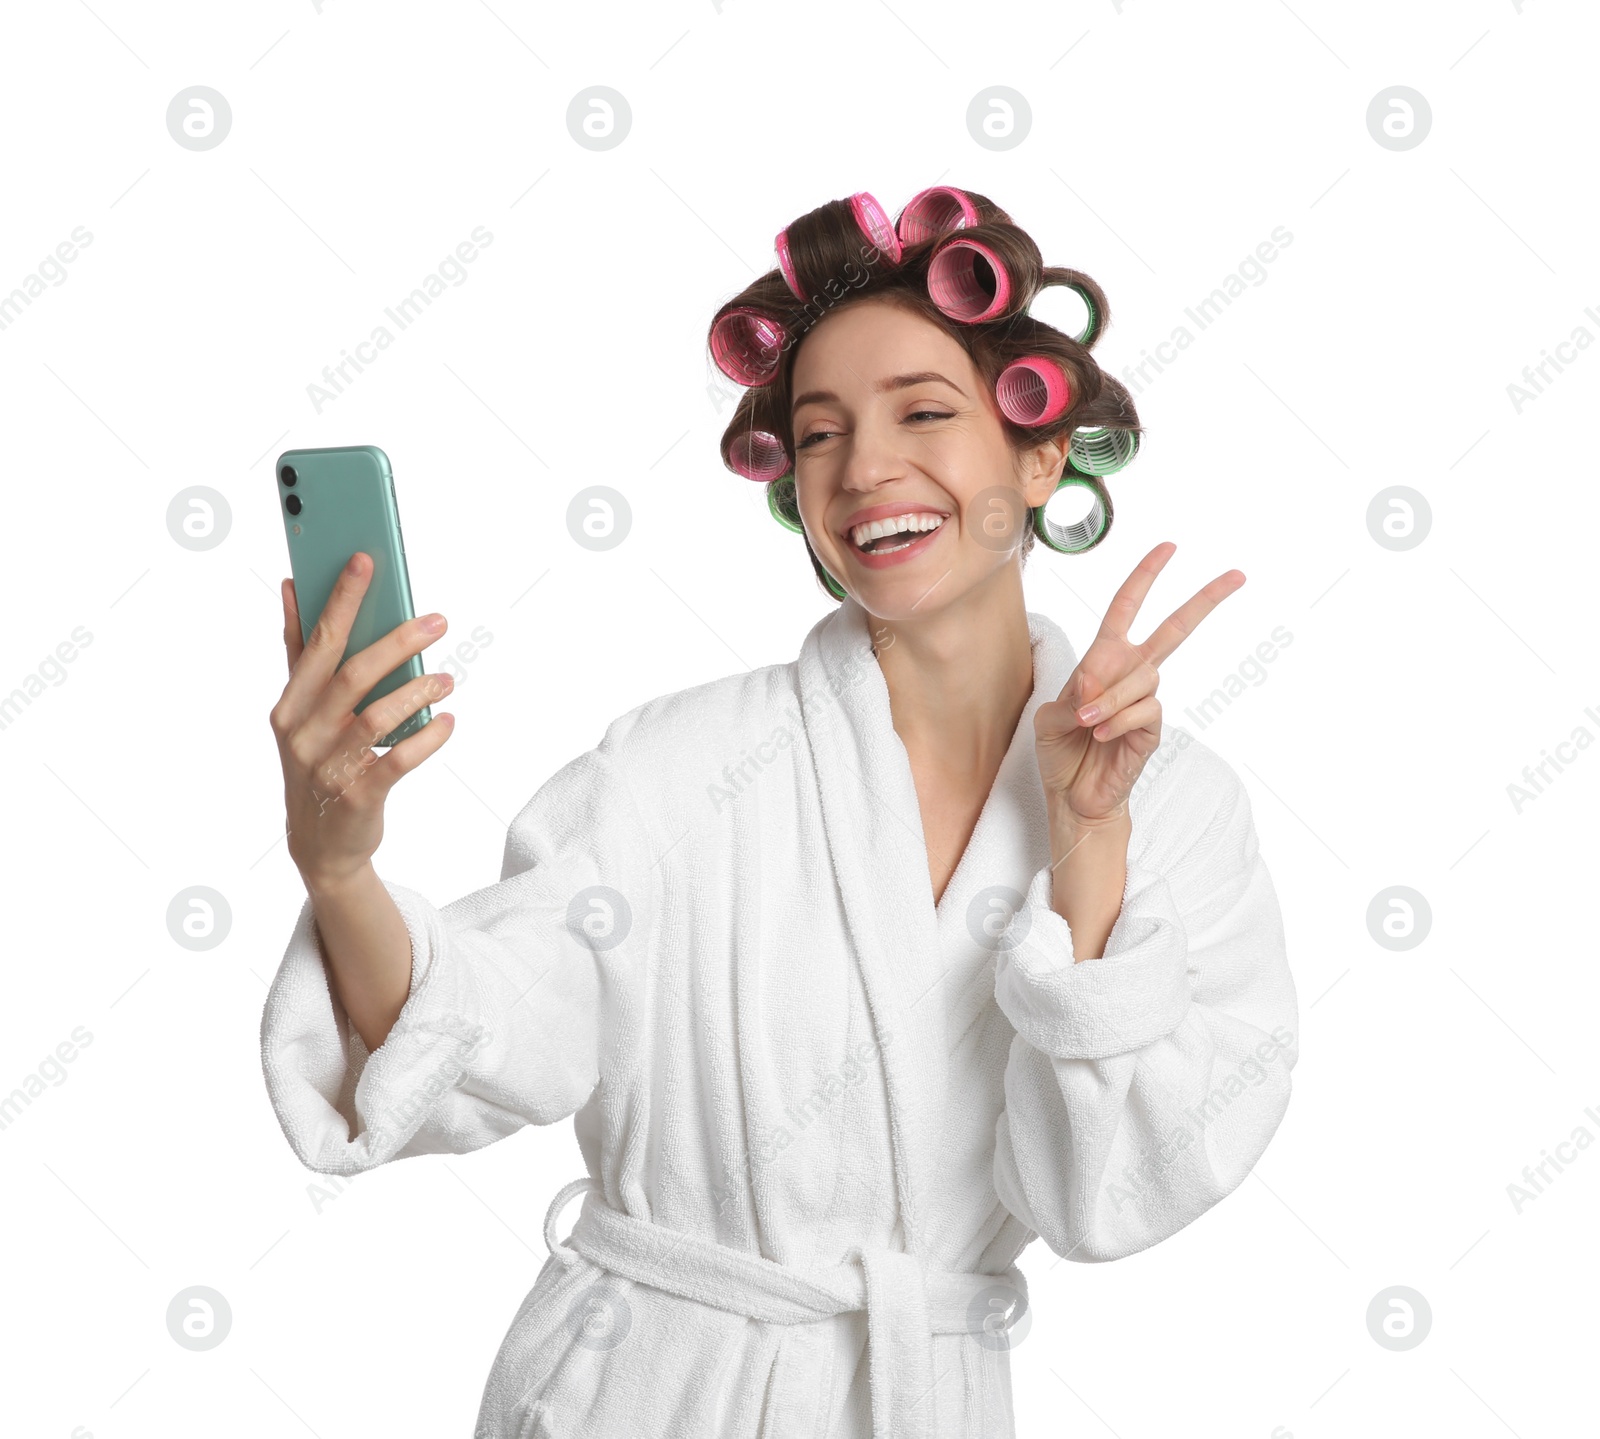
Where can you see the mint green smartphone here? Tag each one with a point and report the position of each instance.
(336, 502)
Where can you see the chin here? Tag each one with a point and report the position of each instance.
(907, 595)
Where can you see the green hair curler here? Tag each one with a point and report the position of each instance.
(1080, 535)
(1100, 451)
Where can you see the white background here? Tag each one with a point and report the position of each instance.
(1167, 142)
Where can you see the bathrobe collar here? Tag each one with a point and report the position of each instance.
(924, 971)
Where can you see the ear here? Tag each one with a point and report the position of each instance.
(1041, 468)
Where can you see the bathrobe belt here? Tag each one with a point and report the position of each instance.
(905, 1303)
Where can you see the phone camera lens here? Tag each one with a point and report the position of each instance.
(292, 504)
(288, 474)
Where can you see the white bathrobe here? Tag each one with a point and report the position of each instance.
(820, 1115)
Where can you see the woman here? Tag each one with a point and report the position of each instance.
(857, 973)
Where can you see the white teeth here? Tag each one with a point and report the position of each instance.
(923, 520)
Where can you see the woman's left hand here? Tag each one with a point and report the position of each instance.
(1089, 765)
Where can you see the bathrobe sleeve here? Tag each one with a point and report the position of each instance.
(510, 989)
(1143, 1085)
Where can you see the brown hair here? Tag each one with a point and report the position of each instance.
(835, 263)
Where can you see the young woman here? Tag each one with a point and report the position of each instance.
(859, 972)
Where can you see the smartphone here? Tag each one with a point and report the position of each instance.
(336, 502)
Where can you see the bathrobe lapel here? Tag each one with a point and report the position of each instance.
(879, 856)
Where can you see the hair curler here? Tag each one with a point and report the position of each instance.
(758, 455)
(1033, 391)
(747, 346)
(957, 285)
(1079, 535)
(1091, 326)
(1071, 280)
(1100, 451)
(784, 503)
(873, 223)
(934, 212)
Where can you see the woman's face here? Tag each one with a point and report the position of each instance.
(891, 418)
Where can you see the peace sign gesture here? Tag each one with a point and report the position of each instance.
(1090, 763)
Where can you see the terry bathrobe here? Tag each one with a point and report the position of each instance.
(821, 1116)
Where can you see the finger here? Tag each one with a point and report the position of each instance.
(334, 707)
(404, 757)
(1132, 687)
(388, 713)
(353, 750)
(322, 652)
(1144, 713)
(292, 641)
(1180, 624)
(1125, 603)
(1081, 688)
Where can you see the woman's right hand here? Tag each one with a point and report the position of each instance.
(334, 783)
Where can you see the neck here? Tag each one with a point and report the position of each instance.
(960, 677)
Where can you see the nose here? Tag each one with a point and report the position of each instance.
(874, 453)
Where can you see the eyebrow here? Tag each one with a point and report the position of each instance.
(894, 382)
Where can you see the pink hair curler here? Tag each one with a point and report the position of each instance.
(781, 245)
(747, 346)
(758, 455)
(934, 212)
(1033, 391)
(955, 286)
(874, 222)
(870, 218)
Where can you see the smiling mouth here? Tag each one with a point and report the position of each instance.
(877, 538)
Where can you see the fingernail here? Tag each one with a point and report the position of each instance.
(1089, 714)
(433, 624)
(350, 568)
